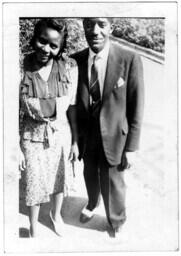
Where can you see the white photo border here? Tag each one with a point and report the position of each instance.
(11, 78)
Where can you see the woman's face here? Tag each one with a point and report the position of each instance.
(48, 44)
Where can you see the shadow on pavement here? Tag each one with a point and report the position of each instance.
(23, 232)
(71, 209)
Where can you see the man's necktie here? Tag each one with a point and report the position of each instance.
(94, 90)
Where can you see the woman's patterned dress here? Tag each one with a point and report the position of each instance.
(45, 141)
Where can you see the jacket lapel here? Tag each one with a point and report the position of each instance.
(112, 72)
(84, 85)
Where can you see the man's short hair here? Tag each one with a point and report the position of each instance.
(110, 19)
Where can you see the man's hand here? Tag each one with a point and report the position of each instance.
(127, 161)
(22, 164)
(131, 157)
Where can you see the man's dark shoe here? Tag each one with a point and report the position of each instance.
(113, 232)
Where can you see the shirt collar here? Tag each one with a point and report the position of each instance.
(103, 54)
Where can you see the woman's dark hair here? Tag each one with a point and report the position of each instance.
(54, 23)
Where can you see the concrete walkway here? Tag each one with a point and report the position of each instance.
(151, 191)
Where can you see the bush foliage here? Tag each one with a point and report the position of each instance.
(145, 32)
(148, 33)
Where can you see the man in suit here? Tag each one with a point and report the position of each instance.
(109, 115)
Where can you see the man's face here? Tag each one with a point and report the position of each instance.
(97, 31)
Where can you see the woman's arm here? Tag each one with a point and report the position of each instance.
(22, 163)
(72, 110)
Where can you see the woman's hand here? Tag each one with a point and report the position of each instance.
(22, 164)
(74, 152)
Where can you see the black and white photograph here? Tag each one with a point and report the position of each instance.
(90, 127)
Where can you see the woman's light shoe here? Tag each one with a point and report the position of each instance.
(58, 225)
(30, 233)
(30, 236)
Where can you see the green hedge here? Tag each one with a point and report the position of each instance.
(145, 32)
(148, 33)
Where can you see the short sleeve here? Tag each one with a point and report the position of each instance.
(27, 85)
(73, 82)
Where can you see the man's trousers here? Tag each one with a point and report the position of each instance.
(102, 178)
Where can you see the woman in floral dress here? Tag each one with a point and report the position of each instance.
(47, 120)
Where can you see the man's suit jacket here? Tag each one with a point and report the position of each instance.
(122, 102)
